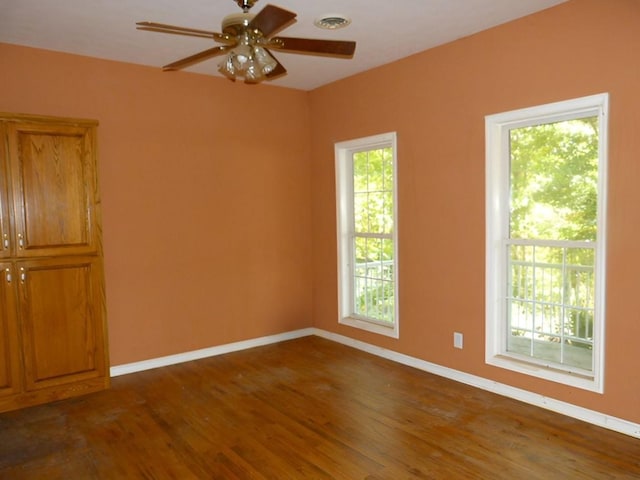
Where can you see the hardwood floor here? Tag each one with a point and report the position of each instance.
(306, 408)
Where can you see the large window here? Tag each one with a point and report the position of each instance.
(367, 229)
(546, 191)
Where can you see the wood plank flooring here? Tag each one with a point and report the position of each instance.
(303, 409)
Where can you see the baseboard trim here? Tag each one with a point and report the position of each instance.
(590, 416)
(206, 352)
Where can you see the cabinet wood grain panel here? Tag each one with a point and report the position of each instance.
(61, 335)
(53, 189)
(10, 358)
(5, 219)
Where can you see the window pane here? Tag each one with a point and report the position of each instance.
(374, 280)
(376, 213)
(551, 303)
(387, 213)
(373, 191)
(361, 212)
(554, 180)
(387, 167)
(360, 165)
(361, 252)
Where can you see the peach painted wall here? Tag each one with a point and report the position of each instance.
(436, 101)
(206, 197)
(209, 225)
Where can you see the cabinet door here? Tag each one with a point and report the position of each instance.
(10, 360)
(4, 196)
(62, 313)
(54, 189)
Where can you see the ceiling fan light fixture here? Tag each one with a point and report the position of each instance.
(253, 63)
(227, 67)
(265, 61)
(332, 21)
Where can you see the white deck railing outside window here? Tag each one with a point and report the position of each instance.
(551, 301)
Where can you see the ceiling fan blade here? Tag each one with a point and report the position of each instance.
(193, 32)
(340, 48)
(198, 57)
(271, 19)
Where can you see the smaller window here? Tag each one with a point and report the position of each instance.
(367, 233)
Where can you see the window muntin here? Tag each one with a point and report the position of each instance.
(546, 178)
(367, 243)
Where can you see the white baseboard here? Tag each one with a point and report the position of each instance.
(206, 352)
(590, 416)
(568, 409)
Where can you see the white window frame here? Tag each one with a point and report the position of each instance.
(497, 129)
(346, 230)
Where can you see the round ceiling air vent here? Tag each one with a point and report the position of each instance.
(332, 22)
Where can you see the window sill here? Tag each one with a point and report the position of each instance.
(547, 372)
(373, 327)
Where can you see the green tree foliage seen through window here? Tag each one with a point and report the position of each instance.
(554, 180)
(373, 225)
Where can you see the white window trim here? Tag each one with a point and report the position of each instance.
(344, 195)
(497, 218)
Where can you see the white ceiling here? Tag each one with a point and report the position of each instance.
(385, 30)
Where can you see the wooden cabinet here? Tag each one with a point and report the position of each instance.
(10, 366)
(52, 304)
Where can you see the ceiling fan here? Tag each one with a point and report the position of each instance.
(247, 41)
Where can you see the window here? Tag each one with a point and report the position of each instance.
(367, 233)
(545, 268)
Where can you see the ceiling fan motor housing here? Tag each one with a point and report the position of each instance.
(236, 23)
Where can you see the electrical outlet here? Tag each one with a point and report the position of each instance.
(457, 339)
